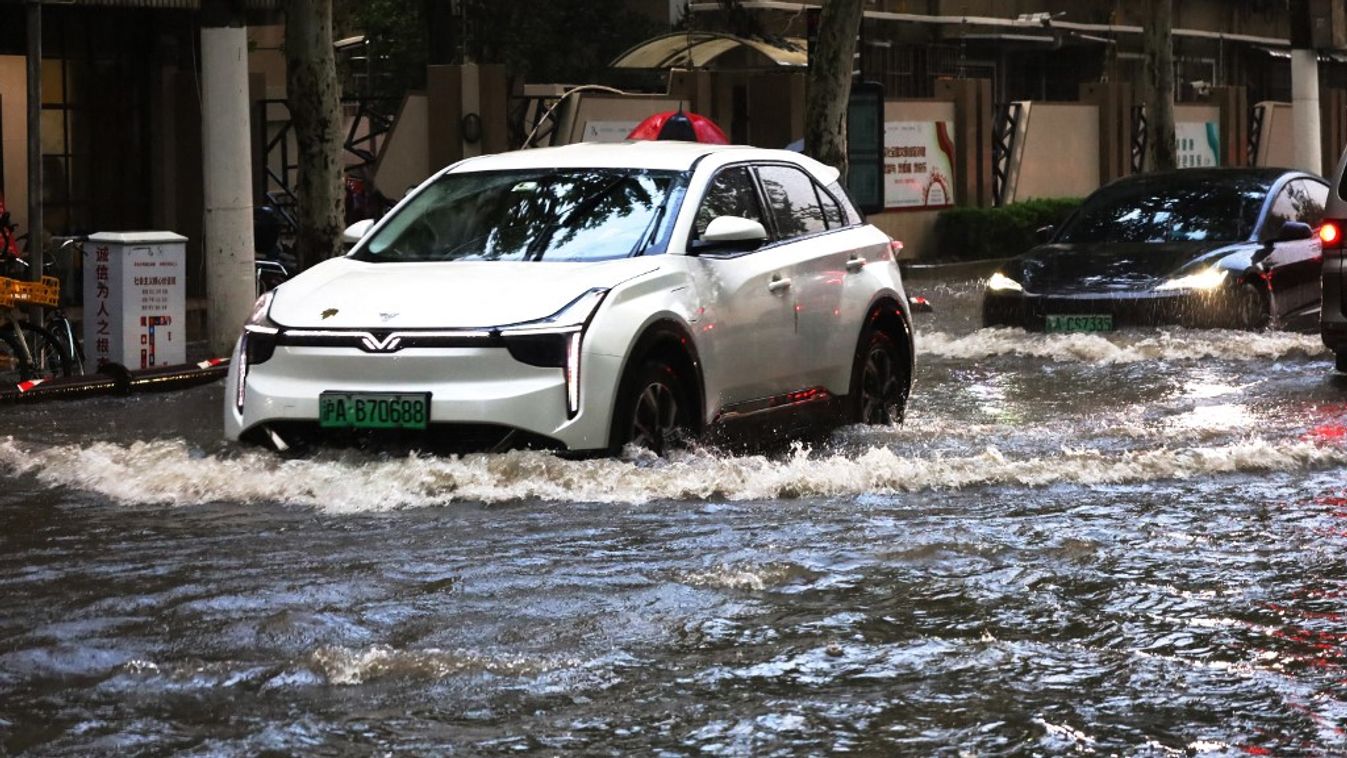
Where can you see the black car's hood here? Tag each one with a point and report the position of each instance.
(1109, 266)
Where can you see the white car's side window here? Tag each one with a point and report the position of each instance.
(793, 201)
(731, 193)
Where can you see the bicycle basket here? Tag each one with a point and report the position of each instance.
(46, 293)
(7, 292)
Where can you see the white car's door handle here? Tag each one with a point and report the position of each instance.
(854, 265)
(778, 284)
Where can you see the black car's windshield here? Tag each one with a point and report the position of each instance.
(1167, 210)
(543, 215)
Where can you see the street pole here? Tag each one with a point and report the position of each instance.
(227, 170)
(37, 255)
(1305, 111)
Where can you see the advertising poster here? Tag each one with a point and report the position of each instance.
(1197, 143)
(918, 164)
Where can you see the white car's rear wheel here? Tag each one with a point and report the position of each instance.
(880, 382)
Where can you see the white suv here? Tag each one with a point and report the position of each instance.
(587, 297)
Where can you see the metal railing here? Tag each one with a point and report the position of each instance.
(372, 120)
(1004, 129)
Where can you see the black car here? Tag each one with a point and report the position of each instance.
(1333, 315)
(1196, 247)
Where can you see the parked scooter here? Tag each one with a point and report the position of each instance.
(273, 261)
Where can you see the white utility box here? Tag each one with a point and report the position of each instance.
(135, 299)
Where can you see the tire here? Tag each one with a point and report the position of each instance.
(652, 409)
(49, 354)
(1249, 307)
(880, 381)
(57, 327)
(1340, 361)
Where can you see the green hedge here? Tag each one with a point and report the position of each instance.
(967, 234)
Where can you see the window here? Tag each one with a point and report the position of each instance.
(1183, 208)
(563, 215)
(1300, 200)
(731, 194)
(844, 200)
(831, 212)
(793, 201)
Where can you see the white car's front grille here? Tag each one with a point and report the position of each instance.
(387, 341)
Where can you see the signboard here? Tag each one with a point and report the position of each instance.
(135, 298)
(607, 131)
(1197, 143)
(918, 164)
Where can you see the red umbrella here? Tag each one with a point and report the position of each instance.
(678, 125)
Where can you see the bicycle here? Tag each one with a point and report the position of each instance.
(30, 350)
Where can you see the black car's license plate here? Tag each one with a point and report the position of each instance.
(374, 410)
(1079, 323)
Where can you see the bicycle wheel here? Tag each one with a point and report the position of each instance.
(49, 354)
(64, 332)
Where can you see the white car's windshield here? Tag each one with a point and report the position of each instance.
(551, 215)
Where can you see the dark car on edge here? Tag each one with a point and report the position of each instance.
(1333, 317)
(1196, 247)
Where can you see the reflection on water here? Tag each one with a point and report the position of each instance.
(1126, 544)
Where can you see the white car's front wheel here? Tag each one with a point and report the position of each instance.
(652, 410)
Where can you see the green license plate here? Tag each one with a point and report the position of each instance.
(373, 410)
(1079, 323)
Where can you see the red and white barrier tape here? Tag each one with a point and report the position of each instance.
(25, 386)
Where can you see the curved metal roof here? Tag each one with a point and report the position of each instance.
(701, 49)
(190, 5)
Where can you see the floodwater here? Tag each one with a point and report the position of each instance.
(1133, 543)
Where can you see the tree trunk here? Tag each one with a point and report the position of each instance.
(315, 113)
(1157, 85)
(829, 87)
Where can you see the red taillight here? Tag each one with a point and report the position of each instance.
(1331, 234)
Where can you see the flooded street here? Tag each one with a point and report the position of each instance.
(1130, 543)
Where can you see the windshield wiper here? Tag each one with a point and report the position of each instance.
(539, 245)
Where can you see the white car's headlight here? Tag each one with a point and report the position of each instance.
(256, 346)
(573, 315)
(1002, 283)
(1206, 279)
(261, 309)
(555, 341)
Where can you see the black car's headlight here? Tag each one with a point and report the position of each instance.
(999, 282)
(1205, 280)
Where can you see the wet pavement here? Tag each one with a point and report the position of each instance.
(1124, 544)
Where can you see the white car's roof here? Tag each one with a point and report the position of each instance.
(666, 155)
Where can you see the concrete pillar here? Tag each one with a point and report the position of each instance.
(35, 223)
(227, 171)
(1305, 110)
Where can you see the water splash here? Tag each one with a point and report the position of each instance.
(171, 473)
(1121, 347)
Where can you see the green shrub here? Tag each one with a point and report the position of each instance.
(968, 234)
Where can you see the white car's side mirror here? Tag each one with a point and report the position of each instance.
(734, 229)
(356, 231)
(729, 233)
